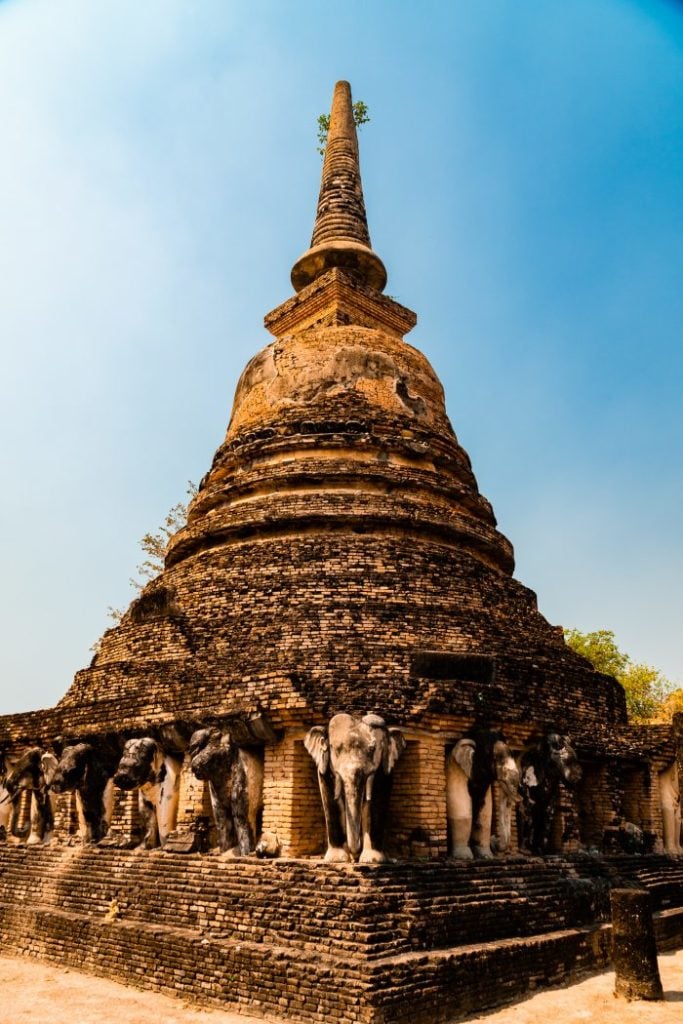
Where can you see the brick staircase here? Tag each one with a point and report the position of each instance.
(304, 939)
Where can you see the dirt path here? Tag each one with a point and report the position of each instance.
(33, 991)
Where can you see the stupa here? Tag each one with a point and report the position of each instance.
(339, 561)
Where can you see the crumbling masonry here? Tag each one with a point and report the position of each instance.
(370, 781)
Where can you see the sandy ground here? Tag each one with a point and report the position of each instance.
(32, 991)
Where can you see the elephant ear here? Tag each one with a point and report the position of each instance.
(318, 746)
(463, 755)
(49, 763)
(395, 746)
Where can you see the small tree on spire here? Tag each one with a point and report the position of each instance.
(360, 117)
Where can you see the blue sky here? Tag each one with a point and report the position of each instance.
(158, 178)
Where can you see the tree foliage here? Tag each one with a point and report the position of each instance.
(649, 694)
(154, 547)
(360, 117)
(671, 705)
(600, 649)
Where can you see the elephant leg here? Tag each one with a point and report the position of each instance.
(148, 813)
(239, 801)
(544, 828)
(505, 824)
(105, 811)
(108, 797)
(35, 835)
(336, 836)
(6, 807)
(375, 814)
(671, 827)
(91, 807)
(459, 808)
(222, 816)
(671, 809)
(167, 799)
(481, 828)
(40, 818)
(253, 767)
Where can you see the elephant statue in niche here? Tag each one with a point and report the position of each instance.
(355, 758)
(549, 763)
(88, 769)
(7, 800)
(670, 798)
(32, 771)
(145, 766)
(479, 759)
(235, 777)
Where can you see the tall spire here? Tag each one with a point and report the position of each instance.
(340, 235)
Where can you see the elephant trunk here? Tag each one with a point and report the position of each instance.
(354, 792)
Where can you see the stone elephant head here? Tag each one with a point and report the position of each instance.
(142, 761)
(211, 753)
(355, 757)
(560, 758)
(479, 759)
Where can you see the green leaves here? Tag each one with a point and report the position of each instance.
(323, 129)
(360, 117)
(648, 692)
(600, 649)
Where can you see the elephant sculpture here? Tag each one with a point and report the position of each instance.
(235, 778)
(479, 759)
(7, 800)
(145, 766)
(355, 758)
(32, 772)
(670, 798)
(88, 769)
(545, 766)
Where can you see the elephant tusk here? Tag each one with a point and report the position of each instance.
(337, 787)
(368, 787)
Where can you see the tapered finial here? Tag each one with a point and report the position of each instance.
(340, 235)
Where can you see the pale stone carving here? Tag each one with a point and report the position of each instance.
(473, 765)
(670, 797)
(355, 758)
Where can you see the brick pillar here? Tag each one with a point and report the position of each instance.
(292, 808)
(417, 810)
(565, 836)
(65, 816)
(22, 814)
(194, 829)
(126, 826)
